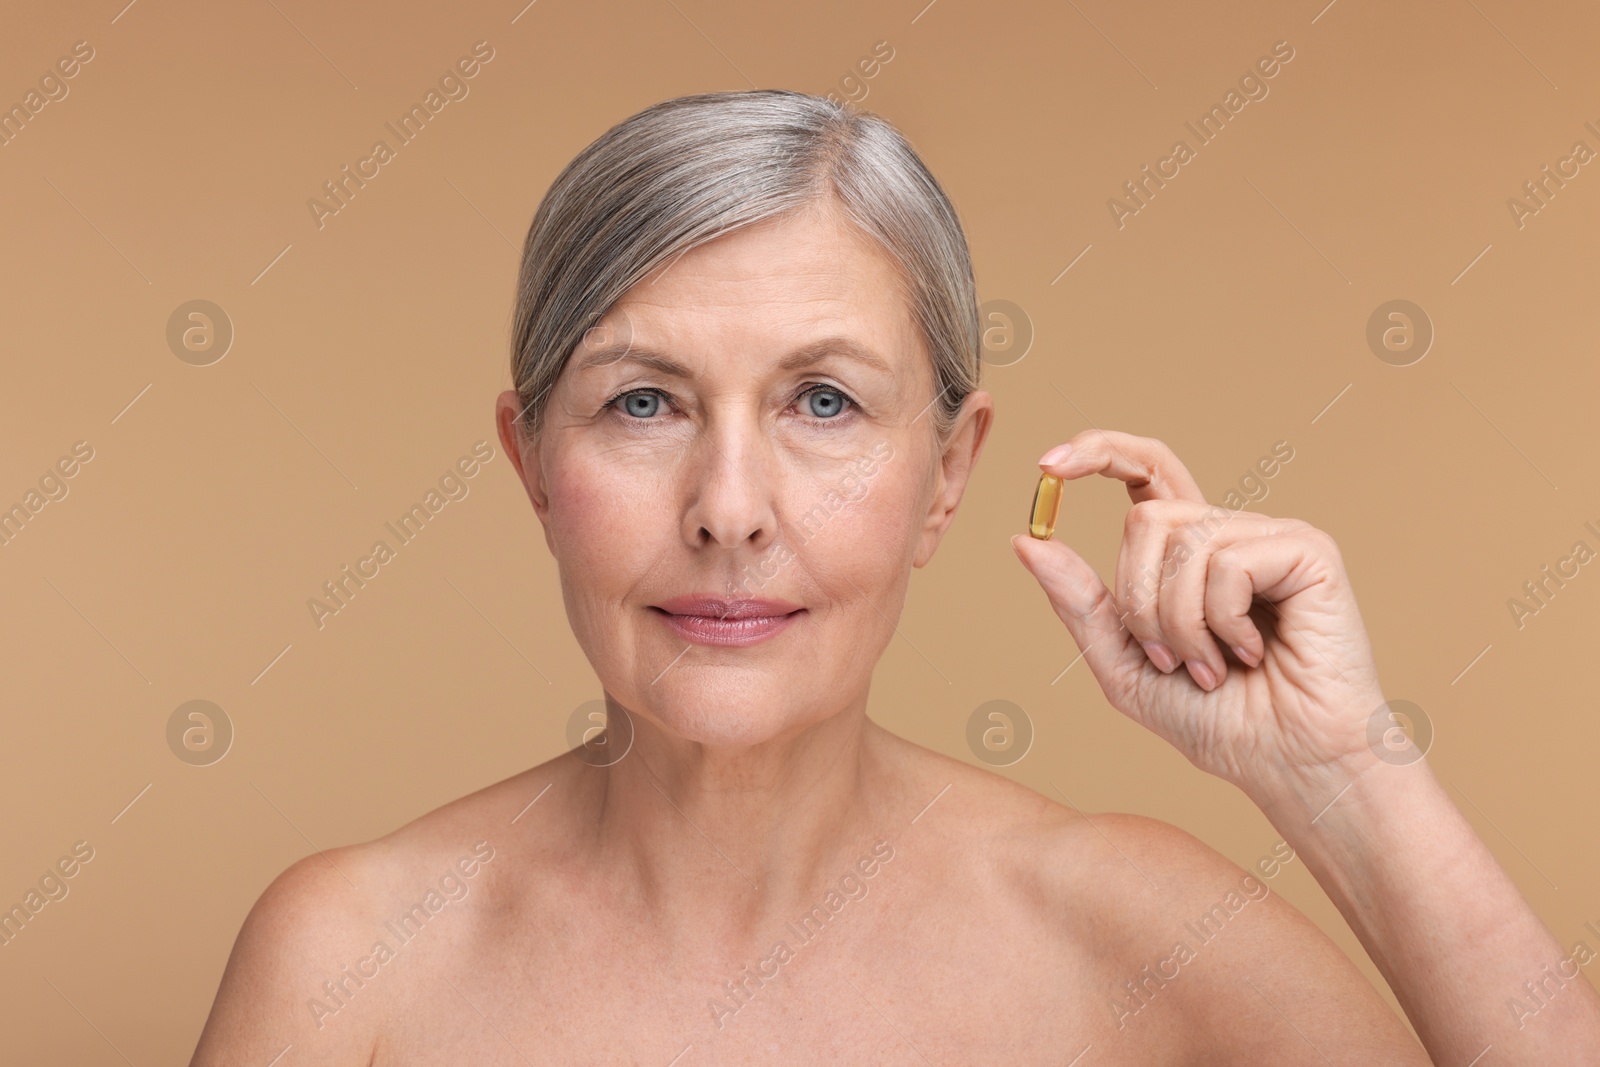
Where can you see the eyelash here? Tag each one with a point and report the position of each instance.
(850, 401)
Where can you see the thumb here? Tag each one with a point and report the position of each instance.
(1083, 602)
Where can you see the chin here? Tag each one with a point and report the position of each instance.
(738, 718)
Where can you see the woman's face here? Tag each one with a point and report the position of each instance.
(751, 425)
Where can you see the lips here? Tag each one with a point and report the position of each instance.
(713, 620)
(714, 607)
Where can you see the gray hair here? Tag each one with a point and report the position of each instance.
(687, 170)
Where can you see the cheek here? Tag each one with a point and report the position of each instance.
(598, 516)
(862, 527)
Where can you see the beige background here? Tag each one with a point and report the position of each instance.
(1224, 317)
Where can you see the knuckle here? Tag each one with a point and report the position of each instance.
(1330, 547)
(1145, 514)
(1189, 537)
(1319, 537)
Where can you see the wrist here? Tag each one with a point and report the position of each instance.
(1367, 793)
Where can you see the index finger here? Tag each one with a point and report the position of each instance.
(1150, 469)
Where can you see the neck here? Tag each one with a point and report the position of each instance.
(735, 839)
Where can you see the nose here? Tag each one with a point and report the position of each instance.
(732, 498)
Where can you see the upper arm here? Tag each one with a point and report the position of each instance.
(307, 925)
(1248, 973)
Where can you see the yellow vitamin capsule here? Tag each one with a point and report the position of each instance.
(1046, 506)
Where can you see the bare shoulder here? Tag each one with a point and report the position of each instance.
(299, 932)
(305, 966)
(1164, 937)
(1199, 942)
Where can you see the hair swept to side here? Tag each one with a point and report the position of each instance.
(694, 168)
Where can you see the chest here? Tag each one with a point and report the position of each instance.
(890, 984)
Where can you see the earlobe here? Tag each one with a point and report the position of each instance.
(956, 461)
(524, 457)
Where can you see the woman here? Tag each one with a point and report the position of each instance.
(745, 407)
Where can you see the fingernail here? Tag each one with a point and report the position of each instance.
(1161, 656)
(1244, 656)
(1203, 675)
(1055, 455)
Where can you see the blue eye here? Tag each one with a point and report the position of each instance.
(640, 404)
(833, 401)
(824, 403)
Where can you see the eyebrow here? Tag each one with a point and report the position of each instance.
(805, 356)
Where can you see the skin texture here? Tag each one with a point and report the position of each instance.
(629, 913)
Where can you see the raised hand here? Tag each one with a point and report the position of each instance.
(1233, 635)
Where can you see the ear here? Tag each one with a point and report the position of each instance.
(524, 454)
(955, 466)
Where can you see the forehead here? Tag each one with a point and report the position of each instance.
(810, 270)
